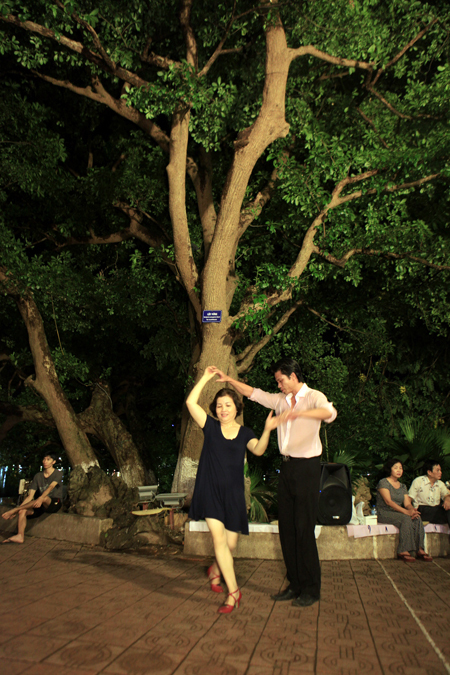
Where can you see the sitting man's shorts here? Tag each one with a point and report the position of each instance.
(53, 507)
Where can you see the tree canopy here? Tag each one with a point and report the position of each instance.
(286, 163)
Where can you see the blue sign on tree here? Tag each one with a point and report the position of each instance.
(212, 316)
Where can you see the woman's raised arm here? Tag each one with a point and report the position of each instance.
(196, 411)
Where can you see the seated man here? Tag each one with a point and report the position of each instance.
(427, 493)
(45, 482)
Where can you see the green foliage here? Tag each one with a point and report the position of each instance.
(376, 343)
(418, 443)
(262, 497)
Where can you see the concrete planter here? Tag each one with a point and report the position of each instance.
(62, 527)
(333, 543)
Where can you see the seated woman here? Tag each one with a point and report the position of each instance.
(394, 506)
(219, 487)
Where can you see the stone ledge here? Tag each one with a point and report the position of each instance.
(333, 543)
(62, 527)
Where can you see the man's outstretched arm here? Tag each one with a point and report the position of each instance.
(241, 387)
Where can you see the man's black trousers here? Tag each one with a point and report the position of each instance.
(435, 514)
(298, 503)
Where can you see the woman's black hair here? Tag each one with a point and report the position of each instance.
(389, 463)
(233, 395)
(287, 366)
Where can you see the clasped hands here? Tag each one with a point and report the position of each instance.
(414, 513)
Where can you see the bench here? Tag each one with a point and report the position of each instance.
(147, 493)
(173, 500)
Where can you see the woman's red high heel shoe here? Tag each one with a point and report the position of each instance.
(227, 609)
(214, 587)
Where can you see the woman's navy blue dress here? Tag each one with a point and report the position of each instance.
(219, 486)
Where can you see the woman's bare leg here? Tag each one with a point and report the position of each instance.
(232, 539)
(224, 557)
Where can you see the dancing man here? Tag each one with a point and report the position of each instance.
(298, 490)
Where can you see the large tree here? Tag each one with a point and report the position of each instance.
(298, 139)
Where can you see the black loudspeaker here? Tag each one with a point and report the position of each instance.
(335, 498)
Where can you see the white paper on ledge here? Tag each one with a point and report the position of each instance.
(358, 531)
(201, 526)
(432, 527)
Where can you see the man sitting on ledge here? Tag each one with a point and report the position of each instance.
(427, 493)
(45, 482)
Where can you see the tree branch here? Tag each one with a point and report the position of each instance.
(368, 66)
(246, 358)
(402, 51)
(78, 48)
(341, 262)
(369, 121)
(189, 37)
(253, 210)
(322, 318)
(201, 175)
(218, 51)
(95, 37)
(176, 173)
(308, 247)
(159, 61)
(337, 200)
(98, 93)
(114, 238)
(336, 60)
(388, 105)
(402, 116)
(16, 414)
(135, 230)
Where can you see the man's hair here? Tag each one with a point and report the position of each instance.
(233, 395)
(287, 366)
(430, 464)
(53, 455)
(389, 463)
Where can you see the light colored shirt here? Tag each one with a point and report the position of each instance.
(298, 437)
(425, 494)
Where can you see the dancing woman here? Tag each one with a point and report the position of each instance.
(219, 487)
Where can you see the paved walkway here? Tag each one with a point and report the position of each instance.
(75, 610)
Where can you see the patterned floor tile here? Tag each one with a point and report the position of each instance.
(85, 655)
(28, 647)
(347, 661)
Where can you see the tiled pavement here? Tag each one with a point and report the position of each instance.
(75, 610)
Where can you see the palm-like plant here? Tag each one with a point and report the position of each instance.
(357, 461)
(261, 497)
(418, 444)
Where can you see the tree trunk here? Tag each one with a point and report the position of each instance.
(46, 383)
(218, 281)
(100, 420)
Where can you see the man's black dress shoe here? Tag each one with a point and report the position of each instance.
(305, 601)
(287, 594)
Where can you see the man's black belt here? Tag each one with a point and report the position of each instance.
(287, 458)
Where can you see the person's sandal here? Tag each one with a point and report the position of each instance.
(425, 557)
(227, 609)
(406, 557)
(214, 587)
